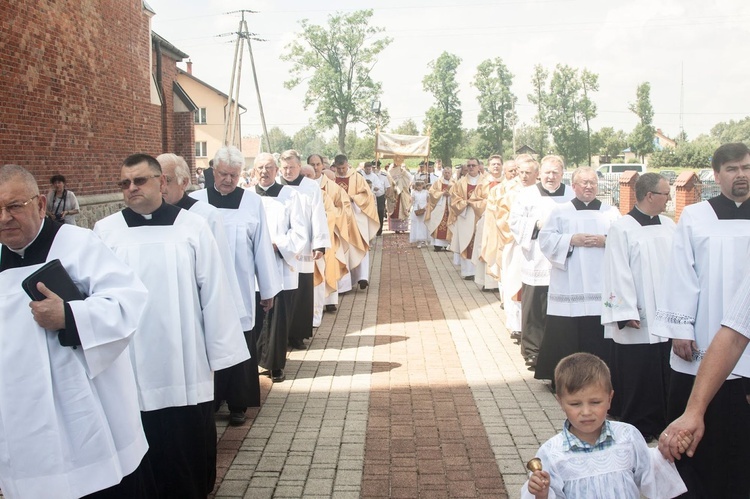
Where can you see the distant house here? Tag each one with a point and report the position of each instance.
(661, 141)
(209, 116)
(525, 149)
(251, 147)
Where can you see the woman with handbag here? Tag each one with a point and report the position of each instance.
(62, 205)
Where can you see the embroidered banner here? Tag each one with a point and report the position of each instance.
(391, 144)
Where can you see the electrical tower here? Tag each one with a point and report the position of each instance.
(232, 115)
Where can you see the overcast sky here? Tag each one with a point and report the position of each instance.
(665, 42)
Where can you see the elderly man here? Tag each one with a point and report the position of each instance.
(288, 225)
(573, 241)
(185, 332)
(247, 232)
(705, 269)
(635, 258)
(528, 215)
(317, 240)
(71, 423)
(177, 179)
(439, 209)
(365, 213)
(510, 256)
(468, 199)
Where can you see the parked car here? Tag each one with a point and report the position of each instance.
(621, 167)
(670, 175)
(706, 174)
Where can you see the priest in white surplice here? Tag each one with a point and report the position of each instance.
(317, 241)
(177, 179)
(573, 240)
(527, 216)
(635, 261)
(706, 265)
(189, 329)
(70, 418)
(468, 197)
(255, 265)
(287, 225)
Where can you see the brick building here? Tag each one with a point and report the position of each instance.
(85, 84)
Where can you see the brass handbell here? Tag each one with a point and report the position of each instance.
(534, 465)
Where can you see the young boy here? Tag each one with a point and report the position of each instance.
(593, 457)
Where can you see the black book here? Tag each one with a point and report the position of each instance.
(56, 278)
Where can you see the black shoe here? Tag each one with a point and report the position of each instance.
(278, 376)
(297, 344)
(531, 360)
(330, 308)
(237, 418)
(469, 278)
(363, 284)
(515, 336)
(437, 248)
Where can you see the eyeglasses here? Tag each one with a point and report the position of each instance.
(662, 193)
(16, 208)
(587, 183)
(138, 181)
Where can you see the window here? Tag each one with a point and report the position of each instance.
(200, 150)
(200, 116)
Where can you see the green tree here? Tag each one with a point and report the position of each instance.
(443, 119)
(539, 98)
(589, 84)
(279, 139)
(642, 137)
(496, 103)
(564, 113)
(336, 61)
(408, 127)
(308, 141)
(732, 131)
(608, 142)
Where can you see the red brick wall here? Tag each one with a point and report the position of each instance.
(75, 89)
(184, 138)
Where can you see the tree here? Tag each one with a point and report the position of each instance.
(642, 137)
(589, 84)
(496, 103)
(443, 119)
(279, 140)
(608, 142)
(539, 99)
(564, 113)
(308, 141)
(408, 127)
(337, 60)
(732, 131)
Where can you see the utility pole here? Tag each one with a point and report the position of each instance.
(231, 115)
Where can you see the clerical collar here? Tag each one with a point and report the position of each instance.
(592, 205)
(544, 192)
(166, 214)
(35, 252)
(229, 201)
(726, 209)
(185, 202)
(272, 190)
(296, 181)
(472, 180)
(644, 219)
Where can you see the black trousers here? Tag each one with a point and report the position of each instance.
(719, 466)
(380, 201)
(301, 314)
(274, 332)
(533, 318)
(182, 450)
(139, 484)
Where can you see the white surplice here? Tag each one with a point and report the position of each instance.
(576, 274)
(185, 332)
(69, 418)
(709, 257)
(529, 207)
(315, 222)
(288, 228)
(635, 262)
(250, 242)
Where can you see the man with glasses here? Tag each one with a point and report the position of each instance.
(247, 232)
(573, 240)
(70, 419)
(528, 216)
(704, 272)
(635, 259)
(185, 332)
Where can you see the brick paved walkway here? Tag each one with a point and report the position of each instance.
(413, 388)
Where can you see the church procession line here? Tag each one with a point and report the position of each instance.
(413, 387)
